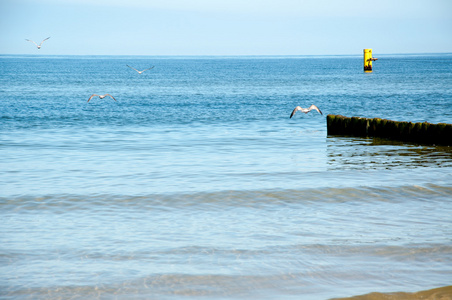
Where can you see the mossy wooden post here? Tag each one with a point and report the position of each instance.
(423, 133)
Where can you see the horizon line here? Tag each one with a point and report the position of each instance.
(224, 55)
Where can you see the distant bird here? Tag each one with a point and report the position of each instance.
(100, 96)
(305, 110)
(139, 72)
(39, 46)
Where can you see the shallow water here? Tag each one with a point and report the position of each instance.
(196, 182)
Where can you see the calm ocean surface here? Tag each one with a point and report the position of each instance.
(195, 184)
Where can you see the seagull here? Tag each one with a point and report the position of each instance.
(305, 110)
(139, 72)
(101, 96)
(39, 46)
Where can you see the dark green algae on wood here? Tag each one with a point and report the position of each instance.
(422, 133)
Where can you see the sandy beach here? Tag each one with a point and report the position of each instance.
(443, 293)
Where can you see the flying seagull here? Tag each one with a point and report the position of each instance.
(305, 110)
(101, 96)
(39, 46)
(139, 72)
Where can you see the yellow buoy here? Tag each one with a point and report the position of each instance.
(368, 60)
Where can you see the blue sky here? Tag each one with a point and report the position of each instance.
(225, 27)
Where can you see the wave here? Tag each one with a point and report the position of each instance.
(231, 198)
(189, 286)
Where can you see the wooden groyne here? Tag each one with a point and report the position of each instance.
(422, 133)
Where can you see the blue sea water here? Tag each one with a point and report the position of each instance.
(195, 183)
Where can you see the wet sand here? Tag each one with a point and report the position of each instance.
(443, 293)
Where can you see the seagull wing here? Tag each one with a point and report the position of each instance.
(110, 96)
(316, 108)
(44, 40)
(92, 96)
(32, 42)
(294, 111)
(133, 68)
(148, 69)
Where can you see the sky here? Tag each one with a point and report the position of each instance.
(225, 27)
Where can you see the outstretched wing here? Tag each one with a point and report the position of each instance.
(110, 96)
(294, 111)
(133, 68)
(316, 108)
(92, 96)
(44, 40)
(148, 69)
(32, 42)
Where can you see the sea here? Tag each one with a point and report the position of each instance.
(194, 182)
